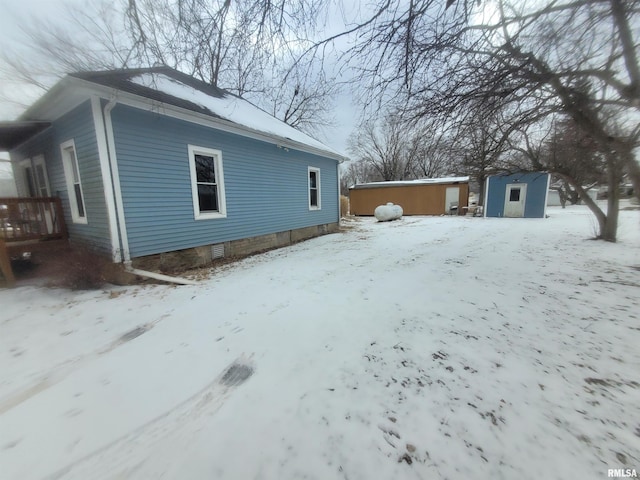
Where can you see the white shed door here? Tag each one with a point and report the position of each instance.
(514, 200)
(452, 194)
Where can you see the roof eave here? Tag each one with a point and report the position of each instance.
(109, 93)
(71, 90)
(13, 134)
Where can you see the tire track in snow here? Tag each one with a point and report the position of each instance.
(62, 371)
(160, 435)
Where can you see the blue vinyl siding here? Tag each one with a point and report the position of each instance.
(266, 186)
(534, 206)
(77, 125)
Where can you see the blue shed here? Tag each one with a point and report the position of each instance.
(148, 161)
(517, 195)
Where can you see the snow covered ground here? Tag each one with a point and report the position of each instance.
(426, 348)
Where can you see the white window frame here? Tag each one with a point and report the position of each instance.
(222, 203)
(70, 180)
(318, 188)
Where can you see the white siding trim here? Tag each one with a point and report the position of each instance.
(338, 176)
(485, 200)
(68, 175)
(115, 177)
(546, 196)
(107, 184)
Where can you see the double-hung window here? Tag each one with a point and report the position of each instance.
(207, 183)
(314, 188)
(74, 183)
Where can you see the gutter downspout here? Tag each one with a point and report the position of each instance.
(125, 256)
(159, 276)
(338, 171)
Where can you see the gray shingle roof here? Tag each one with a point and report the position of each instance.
(171, 87)
(121, 80)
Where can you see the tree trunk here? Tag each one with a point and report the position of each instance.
(607, 222)
(563, 198)
(614, 175)
(604, 226)
(609, 231)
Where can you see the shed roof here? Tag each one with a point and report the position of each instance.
(410, 183)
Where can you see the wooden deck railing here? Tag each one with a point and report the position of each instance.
(23, 219)
(26, 223)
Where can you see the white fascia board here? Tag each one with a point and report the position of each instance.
(137, 101)
(61, 99)
(546, 196)
(485, 199)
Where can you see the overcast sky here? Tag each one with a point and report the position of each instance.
(14, 13)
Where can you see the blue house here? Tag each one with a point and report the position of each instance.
(150, 161)
(516, 195)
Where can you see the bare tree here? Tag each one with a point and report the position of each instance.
(563, 150)
(434, 148)
(533, 60)
(234, 45)
(246, 47)
(483, 144)
(569, 152)
(383, 145)
(302, 96)
(48, 50)
(355, 172)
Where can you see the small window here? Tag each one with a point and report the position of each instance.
(207, 183)
(74, 183)
(514, 195)
(314, 188)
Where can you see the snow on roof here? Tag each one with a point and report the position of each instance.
(229, 107)
(421, 181)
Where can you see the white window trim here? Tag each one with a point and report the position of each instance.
(222, 203)
(318, 187)
(68, 175)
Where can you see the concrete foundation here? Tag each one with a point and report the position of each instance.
(180, 260)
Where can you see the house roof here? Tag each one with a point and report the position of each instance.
(171, 87)
(411, 183)
(13, 134)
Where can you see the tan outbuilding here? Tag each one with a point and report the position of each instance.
(429, 196)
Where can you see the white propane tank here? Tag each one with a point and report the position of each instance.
(384, 213)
